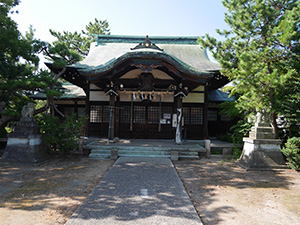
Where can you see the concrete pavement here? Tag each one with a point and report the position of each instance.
(138, 191)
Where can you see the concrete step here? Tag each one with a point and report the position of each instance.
(144, 148)
(101, 153)
(99, 156)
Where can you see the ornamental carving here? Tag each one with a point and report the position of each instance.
(147, 44)
(146, 68)
(147, 82)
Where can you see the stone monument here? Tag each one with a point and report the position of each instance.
(261, 149)
(25, 144)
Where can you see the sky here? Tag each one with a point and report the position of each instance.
(125, 17)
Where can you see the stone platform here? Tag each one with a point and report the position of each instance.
(261, 150)
(261, 154)
(25, 144)
(101, 149)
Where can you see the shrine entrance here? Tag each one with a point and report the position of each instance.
(154, 121)
(146, 121)
(146, 89)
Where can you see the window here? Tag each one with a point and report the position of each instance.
(106, 113)
(186, 115)
(153, 114)
(96, 114)
(196, 115)
(166, 110)
(125, 114)
(212, 115)
(81, 112)
(139, 114)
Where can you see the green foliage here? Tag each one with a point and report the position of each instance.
(239, 131)
(3, 133)
(292, 152)
(225, 137)
(19, 74)
(80, 42)
(62, 136)
(261, 51)
(75, 41)
(288, 105)
(231, 109)
(98, 27)
(62, 55)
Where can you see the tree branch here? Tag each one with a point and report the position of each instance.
(5, 119)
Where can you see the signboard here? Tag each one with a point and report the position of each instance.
(163, 121)
(167, 116)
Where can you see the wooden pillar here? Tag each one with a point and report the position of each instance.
(117, 117)
(76, 108)
(205, 114)
(111, 128)
(178, 137)
(87, 110)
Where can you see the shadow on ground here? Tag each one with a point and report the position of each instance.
(212, 184)
(58, 185)
(120, 199)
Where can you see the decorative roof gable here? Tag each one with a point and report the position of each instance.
(147, 44)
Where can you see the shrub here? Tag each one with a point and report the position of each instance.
(61, 135)
(225, 137)
(292, 152)
(240, 130)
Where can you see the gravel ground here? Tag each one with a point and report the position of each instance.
(221, 192)
(224, 193)
(48, 193)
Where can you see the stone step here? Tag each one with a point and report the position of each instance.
(105, 153)
(145, 148)
(99, 156)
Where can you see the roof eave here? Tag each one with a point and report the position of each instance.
(181, 66)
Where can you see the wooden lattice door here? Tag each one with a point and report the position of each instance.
(148, 122)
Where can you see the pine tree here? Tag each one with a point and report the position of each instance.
(260, 53)
(80, 42)
(19, 74)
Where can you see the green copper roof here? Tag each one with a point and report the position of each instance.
(183, 52)
(69, 91)
(219, 96)
(100, 39)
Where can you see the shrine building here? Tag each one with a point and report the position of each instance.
(147, 87)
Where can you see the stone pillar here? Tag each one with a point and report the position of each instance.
(207, 147)
(261, 150)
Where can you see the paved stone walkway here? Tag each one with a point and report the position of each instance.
(138, 191)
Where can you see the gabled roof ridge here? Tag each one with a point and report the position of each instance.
(137, 39)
